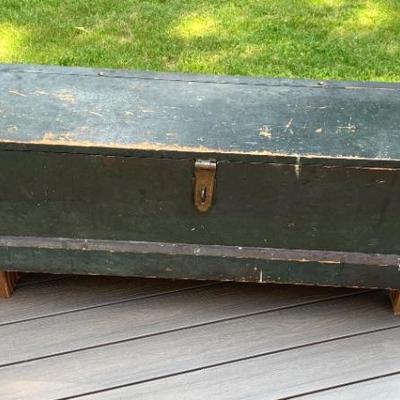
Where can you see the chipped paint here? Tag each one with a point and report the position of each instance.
(12, 128)
(66, 96)
(349, 127)
(96, 113)
(317, 107)
(201, 250)
(264, 131)
(40, 93)
(368, 87)
(68, 139)
(15, 92)
(244, 139)
(297, 168)
(288, 126)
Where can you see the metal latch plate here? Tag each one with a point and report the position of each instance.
(204, 185)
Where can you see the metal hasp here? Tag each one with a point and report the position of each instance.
(204, 183)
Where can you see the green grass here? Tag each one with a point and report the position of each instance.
(322, 39)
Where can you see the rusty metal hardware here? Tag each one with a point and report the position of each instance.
(204, 183)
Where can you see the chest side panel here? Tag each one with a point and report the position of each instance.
(146, 199)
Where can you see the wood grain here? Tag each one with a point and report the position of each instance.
(175, 352)
(8, 281)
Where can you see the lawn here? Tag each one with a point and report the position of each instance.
(338, 39)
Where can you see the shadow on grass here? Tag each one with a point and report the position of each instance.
(346, 39)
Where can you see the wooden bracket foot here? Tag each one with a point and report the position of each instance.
(8, 281)
(395, 297)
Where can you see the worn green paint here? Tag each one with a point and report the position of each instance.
(173, 115)
(110, 155)
(191, 267)
(149, 199)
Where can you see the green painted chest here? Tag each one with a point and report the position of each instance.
(183, 176)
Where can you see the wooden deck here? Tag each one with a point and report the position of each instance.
(105, 338)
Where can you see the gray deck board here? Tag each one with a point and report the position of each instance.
(280, 375)
(78, 292)
(386, 388)
(33, 278)
(137, 338)
(149, 316)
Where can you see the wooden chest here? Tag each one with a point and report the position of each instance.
(182, 176)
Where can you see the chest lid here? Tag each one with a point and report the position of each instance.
(180, 115)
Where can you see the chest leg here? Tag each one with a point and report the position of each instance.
(395, 297)
(8, 281)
